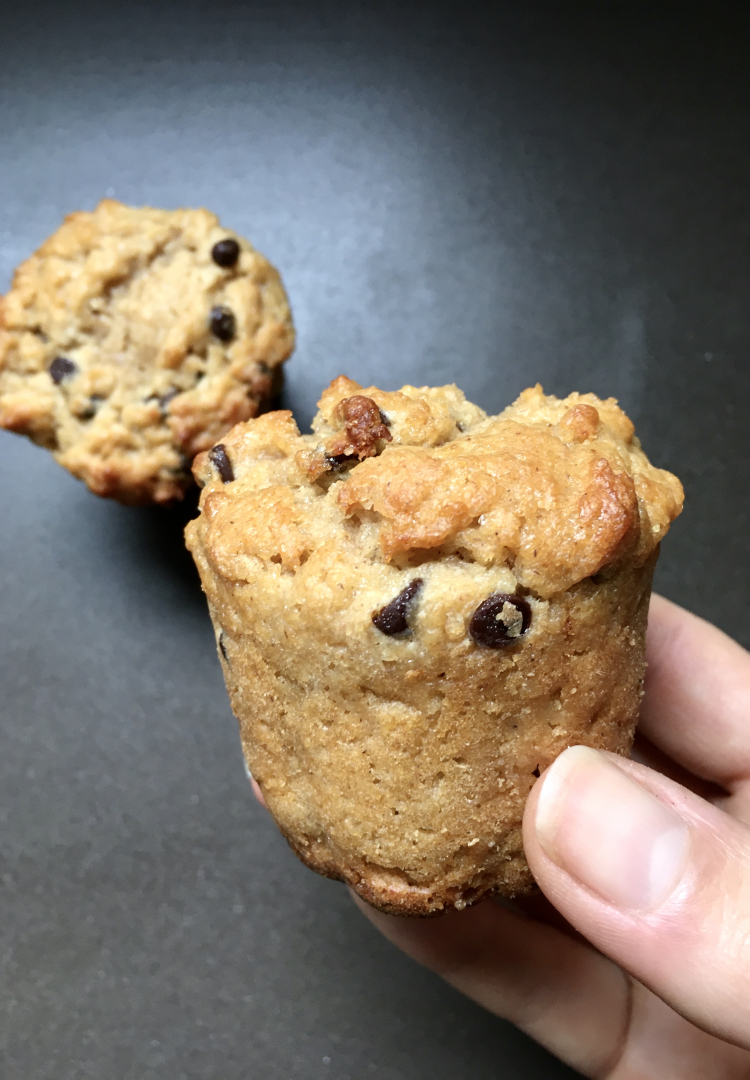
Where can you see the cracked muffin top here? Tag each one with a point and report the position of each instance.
(133, 339)
(551, 491)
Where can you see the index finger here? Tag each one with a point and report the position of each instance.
(696, 706)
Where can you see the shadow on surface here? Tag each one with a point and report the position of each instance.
(157, 535)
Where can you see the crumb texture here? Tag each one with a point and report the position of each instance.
(133, 339)
(419, 607)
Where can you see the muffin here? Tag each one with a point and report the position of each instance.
(417, 608)
(134, 339)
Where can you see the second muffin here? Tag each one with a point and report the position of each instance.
(133, 339)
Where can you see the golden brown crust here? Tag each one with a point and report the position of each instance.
(364, 429)
(552, 491)
(401, 762)
(560, 509)
(124, 295)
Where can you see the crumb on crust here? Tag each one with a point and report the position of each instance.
(363, 429)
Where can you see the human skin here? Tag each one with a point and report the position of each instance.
(635, 964)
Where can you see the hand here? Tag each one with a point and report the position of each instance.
(637, 964)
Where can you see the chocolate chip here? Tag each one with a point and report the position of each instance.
(218, 455)
(392, 619)
(165, 399)
(384, 419)
(92, 408)
(223, 647)
(61, 368)
(500, 620)
(222, 323)
(226, 252)
(343, 461)
(184, 469)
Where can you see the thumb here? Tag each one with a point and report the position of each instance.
(653, 876)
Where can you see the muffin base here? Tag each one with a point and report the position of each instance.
(410, 784)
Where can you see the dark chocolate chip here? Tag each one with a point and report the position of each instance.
(184, 469)
(536, 772)
(223, 647)
(92, 408)
(494, 625)
(218, 455)
(165, 399)
(222, 323)
(61, 368)
(392, 619)
(343, 461)
(226, 252)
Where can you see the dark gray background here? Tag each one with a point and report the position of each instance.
(492, 194)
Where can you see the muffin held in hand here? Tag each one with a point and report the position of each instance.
(417, 608)
(134, 339)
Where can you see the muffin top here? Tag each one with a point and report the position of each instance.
(550, 491)
(133, 339)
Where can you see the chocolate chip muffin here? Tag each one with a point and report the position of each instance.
(134, 339)
(417, 608)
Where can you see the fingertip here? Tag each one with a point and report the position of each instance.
(367, 909)
(649, 873)
(665, 620)
(542, 805)
(608, 832)
(659, 605)
(552, 791)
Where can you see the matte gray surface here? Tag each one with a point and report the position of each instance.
(550, 193)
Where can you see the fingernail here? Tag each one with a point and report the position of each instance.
(608, 832)
(258, 793)
(256, 788)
